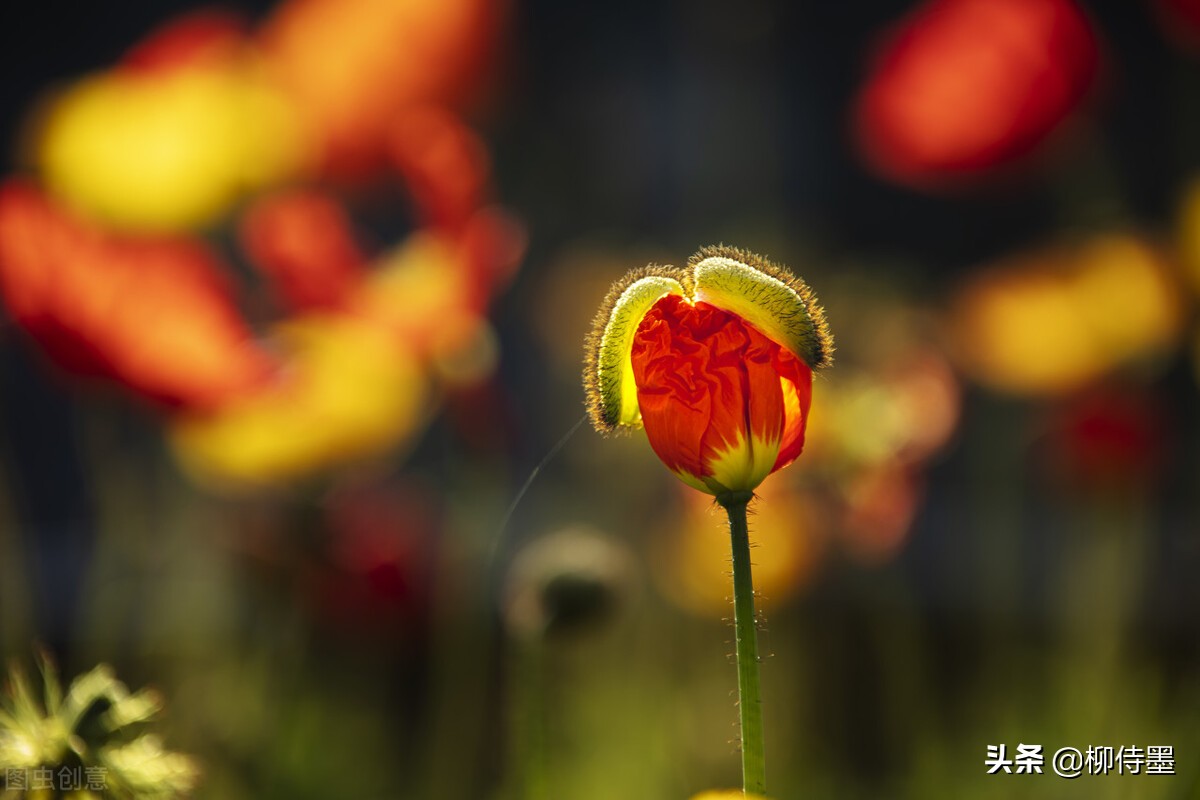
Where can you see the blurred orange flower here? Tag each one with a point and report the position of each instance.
(153, 314)
(351, 66)
(961, 86)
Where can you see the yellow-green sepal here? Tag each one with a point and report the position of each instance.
(767, 296)
(608, 373)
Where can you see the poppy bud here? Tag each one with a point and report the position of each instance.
(715, 361)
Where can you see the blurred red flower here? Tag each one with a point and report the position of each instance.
(962, 86)
(378, 556)
(155, 314)
(1110, 439)
(304, 242)
(443, 163)
(203, 36)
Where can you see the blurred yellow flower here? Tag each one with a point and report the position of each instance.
(727, 794)
(352, 391)
(422, 292)
(1051, 322)
(416, 288)
(168, 150)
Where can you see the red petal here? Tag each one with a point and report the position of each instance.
(796, 380)
(708, 381)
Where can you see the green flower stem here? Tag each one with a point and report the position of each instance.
(754, 765)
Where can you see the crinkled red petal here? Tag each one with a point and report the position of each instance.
(708, 380)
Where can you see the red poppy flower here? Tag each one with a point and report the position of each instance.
(714, 361)
(965, 85)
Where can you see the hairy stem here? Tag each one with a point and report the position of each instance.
(754, 767)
